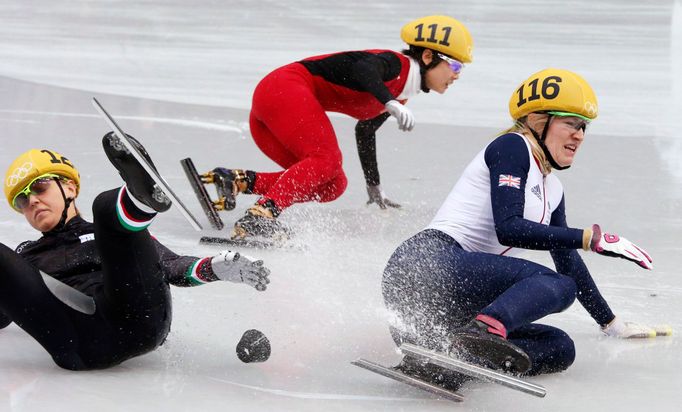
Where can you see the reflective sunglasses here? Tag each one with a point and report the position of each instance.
(577, 122)
(455, 65)
(37, 186)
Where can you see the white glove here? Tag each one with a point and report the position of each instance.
(233, 267)
(402, 114)
(627, 330)
(377, 195)
(612, 245)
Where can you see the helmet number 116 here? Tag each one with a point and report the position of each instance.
(550, 89)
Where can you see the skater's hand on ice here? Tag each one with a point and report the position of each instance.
(377, 195)
(402, 114)
(615, 246)
(238, 268)
(631, 330)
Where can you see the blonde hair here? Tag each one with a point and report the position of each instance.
(521, 126)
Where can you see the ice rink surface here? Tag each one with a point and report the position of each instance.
(179, 75)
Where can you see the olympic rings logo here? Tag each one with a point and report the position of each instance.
(19, 174)
(590, 108)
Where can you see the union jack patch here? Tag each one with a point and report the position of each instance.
(511, 181)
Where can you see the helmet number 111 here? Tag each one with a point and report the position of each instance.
(432, 38)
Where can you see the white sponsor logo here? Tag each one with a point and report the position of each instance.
(86, 237)
(21, 247)
(591, 108)
(18, 174)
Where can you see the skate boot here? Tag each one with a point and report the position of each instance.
(433, 374)
(138, 182)
(484, 341)
(230, 182)
(260, 220)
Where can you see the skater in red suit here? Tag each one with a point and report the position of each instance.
(289, 123)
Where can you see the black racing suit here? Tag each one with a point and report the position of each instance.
(126, 273)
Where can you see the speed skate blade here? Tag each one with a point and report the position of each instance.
(474, 371)
(401, 377)
(252, 243)
(201, 194)
(158, 179)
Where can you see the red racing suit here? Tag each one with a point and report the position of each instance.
(289, 123)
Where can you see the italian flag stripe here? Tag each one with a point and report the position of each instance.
(124, 217)
(193, 274)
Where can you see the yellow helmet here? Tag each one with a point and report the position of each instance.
(35, 163)
(561, 92)
(440, 33)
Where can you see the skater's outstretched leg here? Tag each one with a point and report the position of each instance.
(26, 300)
(136, 295)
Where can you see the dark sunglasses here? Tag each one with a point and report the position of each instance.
(37, 186)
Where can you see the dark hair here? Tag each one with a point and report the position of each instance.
(414, 51)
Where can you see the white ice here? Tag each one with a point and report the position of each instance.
(179, 75)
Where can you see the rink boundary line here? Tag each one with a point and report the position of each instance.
(166, 120)
(316, 396)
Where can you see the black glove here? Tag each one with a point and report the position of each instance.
(377, 195)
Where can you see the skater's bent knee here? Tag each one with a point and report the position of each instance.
(334, 189)
(557, 355)
(569, 290)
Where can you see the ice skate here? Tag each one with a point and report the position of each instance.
(260, 221)
(483, 341)
(229, 183)
(138, 182)
(433, 374)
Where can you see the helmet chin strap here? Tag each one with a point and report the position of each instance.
(543, 146)
(67, 203)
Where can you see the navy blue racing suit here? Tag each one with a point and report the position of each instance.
(439, 279)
